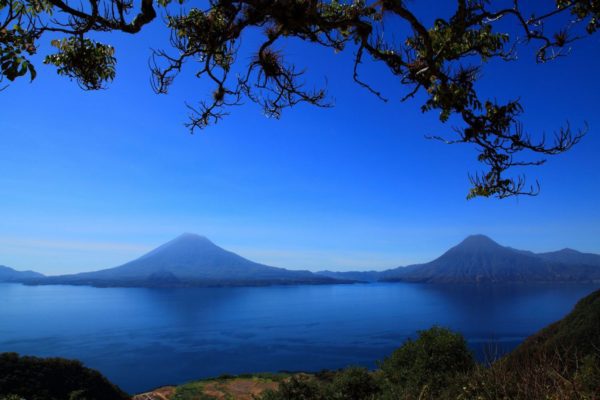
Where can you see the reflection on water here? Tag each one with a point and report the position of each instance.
(143, 338)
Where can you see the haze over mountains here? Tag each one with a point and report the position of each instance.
(193, 260)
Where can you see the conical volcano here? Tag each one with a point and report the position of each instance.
(191, 260)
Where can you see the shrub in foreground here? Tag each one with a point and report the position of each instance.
(428, 366)
(297, 388)
(353, 383)
(34, 378)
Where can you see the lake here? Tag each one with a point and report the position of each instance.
(144, 338)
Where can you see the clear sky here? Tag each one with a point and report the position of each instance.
(93, 179)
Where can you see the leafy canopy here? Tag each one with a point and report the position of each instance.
(428, 365)
(442, 61)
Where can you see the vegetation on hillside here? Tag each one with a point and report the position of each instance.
(32, 378)
(438, 366)
(575, 336)
(560, 362)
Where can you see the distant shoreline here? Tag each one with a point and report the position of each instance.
(200, 285)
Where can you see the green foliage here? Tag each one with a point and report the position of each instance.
(191, 391)
(206, 34)
(429, 364)
(17, 38)
(15, 45)
(297, 388)
(90, 63)
(35, 378)
(433, 366)
(438, 366)
(587, 10)
(261, 376)
(535, 378)
(353, 383)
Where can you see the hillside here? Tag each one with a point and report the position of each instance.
(11, 275)
(570, 256)
(577, 334)
(190, 260)
(358, 276)
(479, 259)
(34, 378)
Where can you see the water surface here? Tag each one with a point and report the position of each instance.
(144, 338)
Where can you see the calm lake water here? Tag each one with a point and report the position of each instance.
(144, 338)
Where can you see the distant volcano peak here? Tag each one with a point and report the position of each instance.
(478, 242)
(568, 250)
(190, 260)
(191, 236)
(185, 244)
(190, 239)
(472, 248)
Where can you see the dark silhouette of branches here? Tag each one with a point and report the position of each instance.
(442, 61)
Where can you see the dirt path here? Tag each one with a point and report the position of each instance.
(239, 389)
(222, 389)
(164, 393)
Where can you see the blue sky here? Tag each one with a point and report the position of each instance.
(93, 179)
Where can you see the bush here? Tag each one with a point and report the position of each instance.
(587, 377)
(433, 364)
(296, 388)
(191, 391)
(35, 378)
(542, 377)
(353, 383)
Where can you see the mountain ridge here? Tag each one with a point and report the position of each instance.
(8, 274)
(190, 260)
(479, 259)
(194, 260)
